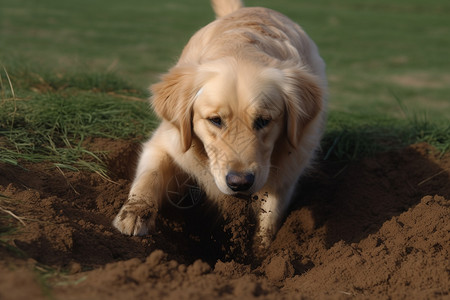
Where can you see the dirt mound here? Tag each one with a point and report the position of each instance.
(377, 228)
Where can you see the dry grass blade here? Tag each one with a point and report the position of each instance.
(13, 114)
(67, 180)
(130, 98)
(10, 83)
(20, 219)
(3, 95)
(345, 293)
(431, 177)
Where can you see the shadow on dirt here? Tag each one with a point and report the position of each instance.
(354, 200)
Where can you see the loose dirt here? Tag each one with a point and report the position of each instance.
(374, 229)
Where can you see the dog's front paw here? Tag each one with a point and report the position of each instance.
(263, 238)
(135, 218)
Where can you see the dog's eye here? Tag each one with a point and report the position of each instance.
(261, 122)
(216, 121)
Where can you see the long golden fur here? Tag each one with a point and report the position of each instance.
(242, 113)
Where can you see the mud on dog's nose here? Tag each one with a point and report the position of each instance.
(239, 182)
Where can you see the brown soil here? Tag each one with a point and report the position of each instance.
(375, 229)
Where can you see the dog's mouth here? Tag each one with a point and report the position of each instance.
(243, 196)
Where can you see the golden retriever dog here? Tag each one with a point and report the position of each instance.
(242, 114)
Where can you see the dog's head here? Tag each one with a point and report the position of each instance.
(239, 111)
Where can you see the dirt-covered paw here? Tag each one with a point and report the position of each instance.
(135, 219)
(263, 238)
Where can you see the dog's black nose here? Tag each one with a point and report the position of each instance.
(239, 182)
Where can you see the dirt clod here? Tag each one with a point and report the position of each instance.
(279, 269)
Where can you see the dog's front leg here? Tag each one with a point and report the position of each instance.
(137, 216)
(273, 204)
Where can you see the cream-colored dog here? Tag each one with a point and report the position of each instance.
(242, 113)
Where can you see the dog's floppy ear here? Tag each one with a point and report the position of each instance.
(173, 98)
(303, 99)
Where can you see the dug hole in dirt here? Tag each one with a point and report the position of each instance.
(377, 229)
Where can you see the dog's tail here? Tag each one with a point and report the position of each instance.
(225, 7)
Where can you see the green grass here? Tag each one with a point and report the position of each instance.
(348, 138)
(371, 47)
(81, 69)
(47, 117)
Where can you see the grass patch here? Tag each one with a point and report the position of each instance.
(47, 117)
(348, 138)
(352, 136)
